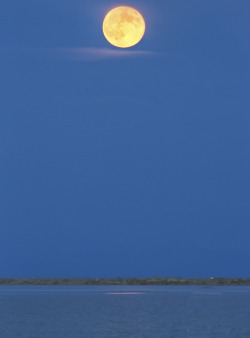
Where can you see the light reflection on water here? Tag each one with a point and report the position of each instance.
(124, 293)
(124, 311)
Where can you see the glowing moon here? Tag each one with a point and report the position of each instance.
(123, 27)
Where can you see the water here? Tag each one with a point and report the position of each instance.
(124, 311)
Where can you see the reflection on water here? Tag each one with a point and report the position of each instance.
(124, 293)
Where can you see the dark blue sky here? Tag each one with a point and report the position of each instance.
(121, 163)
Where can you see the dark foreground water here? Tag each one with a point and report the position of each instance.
(124, 311)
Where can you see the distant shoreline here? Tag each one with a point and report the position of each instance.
(127, 281)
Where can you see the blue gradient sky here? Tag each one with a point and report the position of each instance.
(123, 163)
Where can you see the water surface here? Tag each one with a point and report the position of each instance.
(124, 311)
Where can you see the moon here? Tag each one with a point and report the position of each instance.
(123, 27)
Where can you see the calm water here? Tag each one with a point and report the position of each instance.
(124, 311)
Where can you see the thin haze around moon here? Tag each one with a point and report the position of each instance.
(124, 27)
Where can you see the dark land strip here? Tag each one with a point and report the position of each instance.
(126, 281)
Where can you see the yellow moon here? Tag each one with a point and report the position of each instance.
(123, 27)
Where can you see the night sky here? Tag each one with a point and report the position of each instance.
(127, 163)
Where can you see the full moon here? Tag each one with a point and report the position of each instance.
(123, 27)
